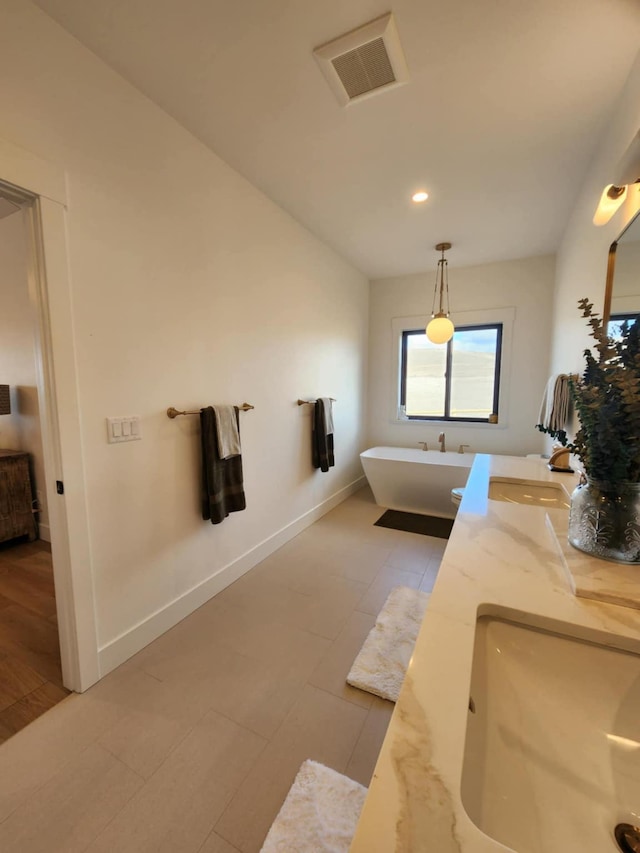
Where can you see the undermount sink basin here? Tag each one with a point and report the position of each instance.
(552, 749)
(529, 492)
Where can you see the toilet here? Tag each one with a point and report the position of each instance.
(456, 496)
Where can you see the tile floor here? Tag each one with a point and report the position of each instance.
(193, 744)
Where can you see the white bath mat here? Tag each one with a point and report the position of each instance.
(319, 815)
(383, 659)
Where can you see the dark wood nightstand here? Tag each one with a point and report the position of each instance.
(16, 499)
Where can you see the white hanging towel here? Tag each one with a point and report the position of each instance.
(554, 409)
(227, 430)
(328, 415)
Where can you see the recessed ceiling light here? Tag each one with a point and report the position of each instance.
(419, 197)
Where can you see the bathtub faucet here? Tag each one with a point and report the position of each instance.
(423, 444)
(443, 449)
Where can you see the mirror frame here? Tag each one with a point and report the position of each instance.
(611, 268)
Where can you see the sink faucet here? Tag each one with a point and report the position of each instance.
(441, 440)
(423, 444)
(462, 447)
(560, 459)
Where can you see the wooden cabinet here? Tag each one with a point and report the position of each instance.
(16, 507)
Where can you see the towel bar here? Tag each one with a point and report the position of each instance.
(311, 402)
(173, 413)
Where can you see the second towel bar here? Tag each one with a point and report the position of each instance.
(173, 413)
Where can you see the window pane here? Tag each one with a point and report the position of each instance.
(426, 364)
(473, 369)
(614, 328)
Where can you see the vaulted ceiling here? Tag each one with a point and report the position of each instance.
(505, 104)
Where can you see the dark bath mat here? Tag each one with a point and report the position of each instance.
(412, 522)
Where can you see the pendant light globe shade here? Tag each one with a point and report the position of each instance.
(440, 329)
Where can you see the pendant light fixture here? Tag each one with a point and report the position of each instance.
(440, 329)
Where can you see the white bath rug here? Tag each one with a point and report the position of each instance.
(319, 814)
(383, 659)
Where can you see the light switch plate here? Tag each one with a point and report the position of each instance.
(124, 429)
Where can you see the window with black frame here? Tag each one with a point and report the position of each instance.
(459, 381)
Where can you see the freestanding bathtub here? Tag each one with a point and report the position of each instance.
(415, 480)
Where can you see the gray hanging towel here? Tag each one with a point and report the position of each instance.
(321, 443)
(222, 485)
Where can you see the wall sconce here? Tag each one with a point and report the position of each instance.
(5, 400)
(440, 329)
(613, 195)
(610, 200)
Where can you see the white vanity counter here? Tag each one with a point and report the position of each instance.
(502, 560)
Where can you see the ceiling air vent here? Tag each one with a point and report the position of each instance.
(365, 61)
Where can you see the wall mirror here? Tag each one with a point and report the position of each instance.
(622, 294)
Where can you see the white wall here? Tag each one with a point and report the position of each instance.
(15, 328)
(582, 257)
(21, 429)
(189, 287)
(524, 285)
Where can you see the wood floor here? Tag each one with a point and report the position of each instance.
(30, 672)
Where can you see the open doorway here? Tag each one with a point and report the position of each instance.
(39, 188)
(31, 678)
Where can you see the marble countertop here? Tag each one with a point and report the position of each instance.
(502, 559)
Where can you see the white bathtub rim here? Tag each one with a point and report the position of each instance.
(423, 457)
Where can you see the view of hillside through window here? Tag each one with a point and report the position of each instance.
(468, 392)
(614, 328)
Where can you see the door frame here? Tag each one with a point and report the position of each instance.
(40, 188)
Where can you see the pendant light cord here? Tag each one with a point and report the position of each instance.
(443, 267)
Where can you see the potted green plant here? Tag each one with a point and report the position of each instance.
(604, 518)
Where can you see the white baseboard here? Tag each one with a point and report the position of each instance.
(44, 532)
(123, 647)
